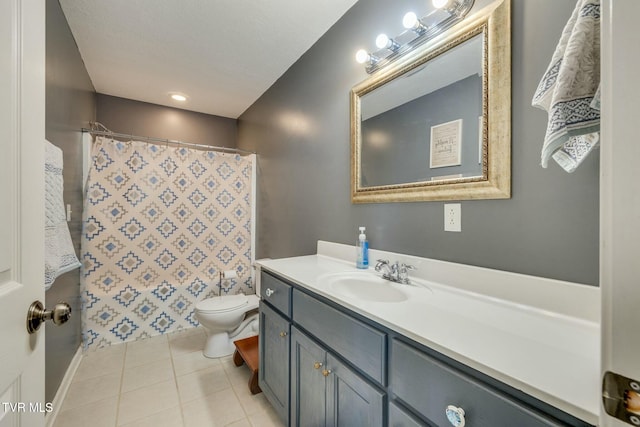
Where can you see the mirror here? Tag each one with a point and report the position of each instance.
(435, 125)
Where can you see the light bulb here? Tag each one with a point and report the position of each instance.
(439, 4)
(362, 56)
(410, 20)
(178, 97)
(382, 41)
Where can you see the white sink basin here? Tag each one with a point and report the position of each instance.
(363, 286)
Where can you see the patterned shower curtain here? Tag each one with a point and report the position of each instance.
(160, 224)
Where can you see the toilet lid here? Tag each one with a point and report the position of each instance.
(224, 303)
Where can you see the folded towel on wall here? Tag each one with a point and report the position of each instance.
(60, 256)
(569, 90)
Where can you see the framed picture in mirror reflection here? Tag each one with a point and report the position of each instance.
(445, 144)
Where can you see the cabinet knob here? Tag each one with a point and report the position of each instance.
(455, 416)
(326, 372)
(269, 292)
(283, 334)
(317, 365)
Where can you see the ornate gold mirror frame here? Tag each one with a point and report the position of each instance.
(494, 22)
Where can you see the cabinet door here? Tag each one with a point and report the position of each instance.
(351, 400)
(274, 359)
(308, 392)
(400, 418)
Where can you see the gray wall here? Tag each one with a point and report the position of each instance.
(300, 128)
(407, 155)
(70, 105)
(143, 119)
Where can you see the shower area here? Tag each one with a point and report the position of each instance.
(165, 225)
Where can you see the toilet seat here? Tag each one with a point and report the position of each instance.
(222, 304)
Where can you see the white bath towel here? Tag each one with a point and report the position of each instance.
(60, 256)
(569, 91)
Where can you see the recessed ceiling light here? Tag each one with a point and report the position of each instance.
(178, 97)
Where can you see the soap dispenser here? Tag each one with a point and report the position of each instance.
(362, 250)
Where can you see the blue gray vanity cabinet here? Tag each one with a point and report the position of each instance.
(344, 369)
(273, 371)
(326, 392)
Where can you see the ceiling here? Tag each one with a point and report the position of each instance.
(222, 54)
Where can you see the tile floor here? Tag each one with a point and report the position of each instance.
(162, 381)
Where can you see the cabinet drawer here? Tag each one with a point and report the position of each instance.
(429, 386)
(360, 344)
(276, 292)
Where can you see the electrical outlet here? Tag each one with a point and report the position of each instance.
(452, 217)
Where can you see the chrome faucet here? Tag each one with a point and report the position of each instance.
(396, 272)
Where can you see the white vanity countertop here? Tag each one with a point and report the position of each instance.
(552, 356)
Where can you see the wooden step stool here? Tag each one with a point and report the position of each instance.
(247, 352)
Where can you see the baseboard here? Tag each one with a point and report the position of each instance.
(50, 418)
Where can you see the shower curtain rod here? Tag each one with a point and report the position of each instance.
(166, 141)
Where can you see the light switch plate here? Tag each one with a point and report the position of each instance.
(452, 217)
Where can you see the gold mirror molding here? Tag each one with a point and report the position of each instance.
(493, 181)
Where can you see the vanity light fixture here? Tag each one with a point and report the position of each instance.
(452, 6)
(384, 42)
(439, 4)
(443, 14)
(362, 57)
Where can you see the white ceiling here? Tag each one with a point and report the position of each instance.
(223, 54)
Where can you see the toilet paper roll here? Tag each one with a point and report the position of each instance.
(229, 274)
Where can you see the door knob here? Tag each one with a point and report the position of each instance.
(455, 416)
(37, 315)
(326, 372)
(317, 365)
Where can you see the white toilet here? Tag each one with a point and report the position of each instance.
(225, 320)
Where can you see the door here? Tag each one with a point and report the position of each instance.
(620, 195)
(274, 359)
(308, 383)
(352, 401)
(22, 103)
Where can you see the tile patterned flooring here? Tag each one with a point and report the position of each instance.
(162, 381)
